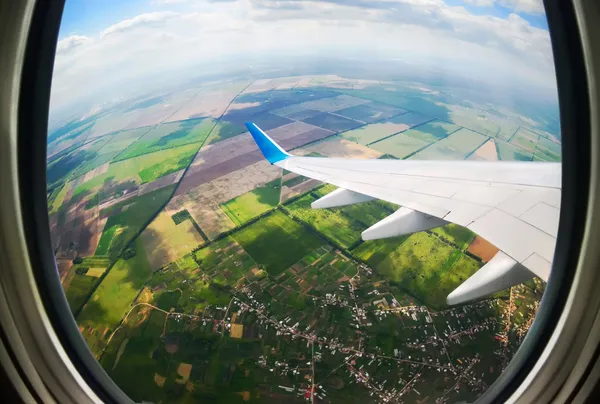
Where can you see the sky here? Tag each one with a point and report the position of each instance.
(110, 47)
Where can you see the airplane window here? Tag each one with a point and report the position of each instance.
(324, 201)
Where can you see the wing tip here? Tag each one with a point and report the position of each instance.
(270, 150)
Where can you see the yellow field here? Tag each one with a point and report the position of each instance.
(164, 241)
(95, 272)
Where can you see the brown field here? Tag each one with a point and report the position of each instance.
(482, 248)
(211, 101)
(340, 147)
(216, 160)
(203, 200)
(63, 265)
(237, 330)
(81, 232)
(162, 111)
(486, 152)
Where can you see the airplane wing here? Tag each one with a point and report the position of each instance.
(514, 205)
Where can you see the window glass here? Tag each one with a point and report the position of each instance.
(197, 271)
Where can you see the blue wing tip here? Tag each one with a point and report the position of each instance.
(271, 150)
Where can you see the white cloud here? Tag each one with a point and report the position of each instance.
(427, 32)
(71, 42)
(152, 20)
(480, 3)
(525, 6)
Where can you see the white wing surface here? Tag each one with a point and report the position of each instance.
(514, 205)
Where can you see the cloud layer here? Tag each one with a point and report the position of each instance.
(419, 31)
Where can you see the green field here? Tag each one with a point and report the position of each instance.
(130, 360)
(547, 150)
(142, 169)
(115, 144)
(418, 265)
(457, 146)
(123, 225)
(169, 135)
(253, 203)
(373, 132)
(525, 139)
(373, 252)
(333, 223)
(224, 130)
(113, 296)
(455, 234)
(399, 145)
(432, 131)
(367, 213)
(462, 268)
(276, 241)
(78, 290)
(509, 152)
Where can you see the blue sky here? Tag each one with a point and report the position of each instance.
(105, 44)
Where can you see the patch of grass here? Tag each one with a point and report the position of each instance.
(122, 226)
(461, 269)
(78, 290)
(253, 203)
(417, 265)
(181, 216)
(277, 242)
(460, 236)
(373, 252)
(338, 227)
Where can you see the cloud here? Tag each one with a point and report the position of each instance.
(480, 3)
(428, 32)
(71, 42)
(144, 20)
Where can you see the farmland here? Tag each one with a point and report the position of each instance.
(342, 229)
(104, 310)
(372, 133)
(399, 145)
(169, 135)
(276, 242)
(208, 284)
(253, 203)
(128, 218)
(457, 146)
(142, 169)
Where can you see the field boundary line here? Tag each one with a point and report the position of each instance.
(402, 131)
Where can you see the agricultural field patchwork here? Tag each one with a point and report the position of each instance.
(400, 145)
(199, 272)
(457, 146)
(169, 135)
